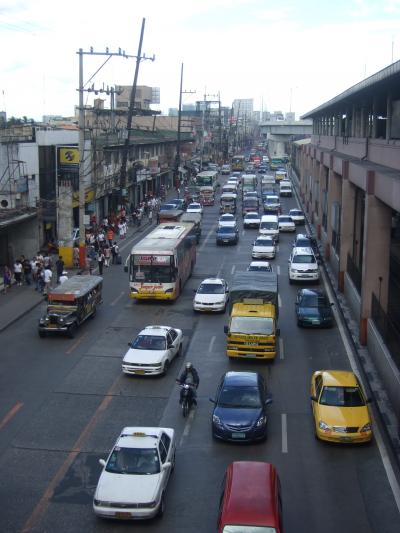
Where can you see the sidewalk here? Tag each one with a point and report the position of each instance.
(21, 300)
(381, 401)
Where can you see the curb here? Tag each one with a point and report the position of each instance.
(20, 315)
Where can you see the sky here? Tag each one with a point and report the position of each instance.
(286, 55)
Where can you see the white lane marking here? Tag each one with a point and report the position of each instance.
(277, 247)
(221, 267)
(243, 232)
(233, 269)
(117, 298)
(212, 230)
(279, 301)
(394, 485)
(281, 349)
(278, 269)
(284, 433)
(210, 346)
(188, 426)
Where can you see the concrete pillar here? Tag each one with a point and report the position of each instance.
(334, 195)
(65, 223)
(346, 223)
(388, 115)
(376, 254)
(374, 113)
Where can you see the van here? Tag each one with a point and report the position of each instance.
(269, 226)
(251, 498)
(285, 188)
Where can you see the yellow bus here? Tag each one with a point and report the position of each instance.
(161, 262)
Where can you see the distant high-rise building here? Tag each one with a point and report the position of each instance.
(244, 107)
(188, 107)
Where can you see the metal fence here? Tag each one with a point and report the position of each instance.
(354, 273)
(389, 330)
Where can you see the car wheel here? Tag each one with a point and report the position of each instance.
(299, 323)
(290, 281)
(180, 350)
(93, 312)
(161, 509)
(42, 334)
(166, 367)
(71, 331)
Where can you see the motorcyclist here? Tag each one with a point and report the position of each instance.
(189, 376)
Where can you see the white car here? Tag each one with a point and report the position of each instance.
(212, 295)
(259, 266)
(226, 169)
(303, 265)
(297, 216)
(152, 351)
(286, 223)
(263, 248)
(227, 220)
(135, 475)
(194, 207)
(251, 220)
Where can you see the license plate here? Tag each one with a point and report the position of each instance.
(250, 343)
(139, 371)
(238, 435)
(225, 240)
(315, 322)
(346, 439)
(122, 515)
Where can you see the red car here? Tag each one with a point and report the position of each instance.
(251, 497)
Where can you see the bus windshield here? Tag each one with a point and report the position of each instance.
(152, 269)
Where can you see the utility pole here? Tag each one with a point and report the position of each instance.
(130, 112)
(219, 125)
(81, 123)
(178, 139)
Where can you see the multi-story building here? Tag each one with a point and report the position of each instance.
(350, 184)
(145, 96)
(243, 107)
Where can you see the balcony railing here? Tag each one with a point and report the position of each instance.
(354, 273)
(388, 328)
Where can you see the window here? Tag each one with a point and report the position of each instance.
(318, 385)
(107, 158)
(165, 442)
(173, 334)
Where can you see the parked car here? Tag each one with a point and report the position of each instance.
(240, 407)
(339, 407)
(313, 308)
(211, 295)
(135, 475)
(153, 350)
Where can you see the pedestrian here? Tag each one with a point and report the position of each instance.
(121, 230)
(47, 275)
(158, 217)
(63, 277)
(100, 261)
(59, 267)
(18, 272)
(76, 256)
(27, 267)
(110, 236)
(139, 217)
(151, 216)
(114, 252)
(107, 256)
(47, 261)
(6, 279)
(134, 217)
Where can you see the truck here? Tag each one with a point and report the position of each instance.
(253, 308)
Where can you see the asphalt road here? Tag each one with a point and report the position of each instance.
(64, 402)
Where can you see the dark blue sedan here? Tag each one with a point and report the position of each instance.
(240, 408)
(227, 235)
(313, 308)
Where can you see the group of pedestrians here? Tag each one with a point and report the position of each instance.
(36, 272)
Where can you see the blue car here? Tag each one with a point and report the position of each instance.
(240, 403)
(227, 235)
(313, 309)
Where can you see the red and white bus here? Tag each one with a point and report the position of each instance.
(161, 262)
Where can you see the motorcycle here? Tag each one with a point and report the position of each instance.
(187, 397)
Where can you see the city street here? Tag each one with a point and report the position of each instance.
(64, 402)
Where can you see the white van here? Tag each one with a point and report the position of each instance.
(269, 226)
(285, 188)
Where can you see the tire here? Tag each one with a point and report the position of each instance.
(290, 281)
(161, 509)
(166, 367)
(71, 331)
(185, 408)
(93, 312)
(180, 351)
(42, 334)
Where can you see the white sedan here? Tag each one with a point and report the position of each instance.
(252, 220)
(194, 207)
(263, 248)
(227, 220)
(212, 295)
(297, 216)
(259, 266)
(152, 351)
(135, 475)
(285, 223)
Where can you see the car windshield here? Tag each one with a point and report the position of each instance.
(252, 325)
(224, 218)
(313, 300)
(211, 288)
(272, 200)
(264, 242)
(285, 219)
(194, 206)
(303, 243)
(342, 397)
(149, 342)
(295, 213)
(239, 397)
(139, 461)
(252, 215)
(269, 225)
(306, 258)
(226, 229)
(167, 207)
(255, 268)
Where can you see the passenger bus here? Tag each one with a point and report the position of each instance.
(238, 163)
(161, 262)
(207, 178)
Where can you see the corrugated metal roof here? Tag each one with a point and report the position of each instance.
(383, 75)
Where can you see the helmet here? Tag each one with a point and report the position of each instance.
(189, 365)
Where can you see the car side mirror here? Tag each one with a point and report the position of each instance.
(332, 304)
(170, 345)
(314, 398)
(194, 291)
(166, 465)
(268, 400)
(102, 462)
(226, 329)
(369, 400)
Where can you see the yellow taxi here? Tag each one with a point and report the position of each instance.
(339, 407)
